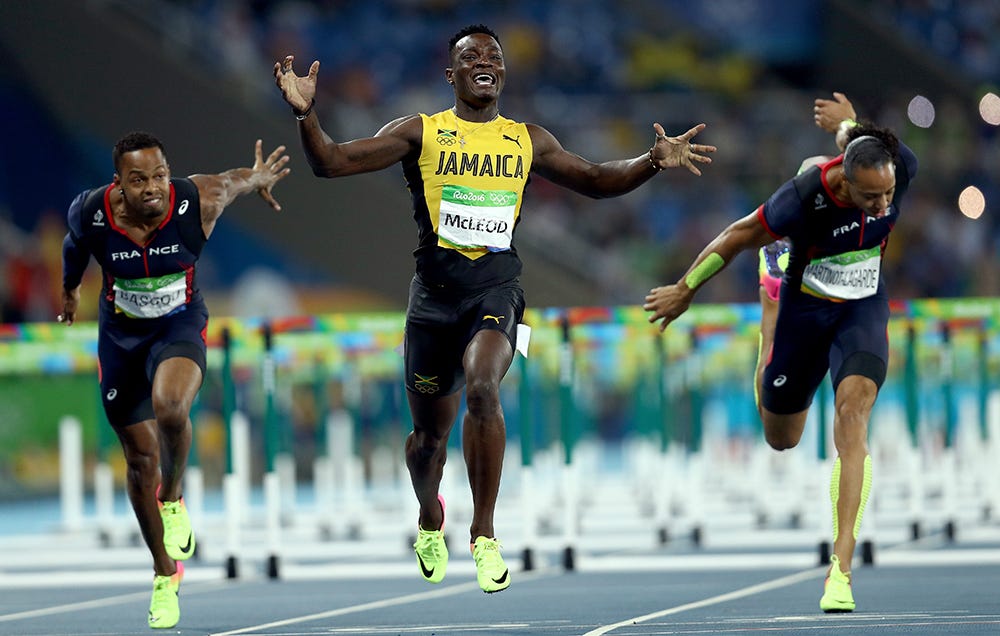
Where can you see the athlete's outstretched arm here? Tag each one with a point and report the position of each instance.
(613, 178)
(216, 191)
(670, 301)
(328, 158)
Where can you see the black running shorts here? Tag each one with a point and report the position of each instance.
(441, 323)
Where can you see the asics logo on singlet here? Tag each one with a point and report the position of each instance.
(112, 394)
(98, 218)
(820, 202)
(183, 208)
(780, 380)
(493, 318)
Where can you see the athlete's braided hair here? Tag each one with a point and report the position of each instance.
(135, 140)
(869, 146)
(469, 30)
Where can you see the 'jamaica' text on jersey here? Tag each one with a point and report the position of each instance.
(498, 165)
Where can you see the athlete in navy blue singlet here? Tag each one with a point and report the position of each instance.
(833, 307)
(146, 231)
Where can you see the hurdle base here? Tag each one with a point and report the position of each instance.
(569, 559)
(527, 559)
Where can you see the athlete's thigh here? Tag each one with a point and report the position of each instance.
(177, 358)
(799, 358)
(498, 312)
(861, 343)
(498, 309)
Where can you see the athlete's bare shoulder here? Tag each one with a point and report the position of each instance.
(409, 127)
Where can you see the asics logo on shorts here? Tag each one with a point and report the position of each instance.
(425, 384)
(112, 394)
(494, 318)
(780, 380)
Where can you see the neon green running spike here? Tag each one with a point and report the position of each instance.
(491, 571)
(164, 607)
(432, 551)
(177, 536)
(837, 595)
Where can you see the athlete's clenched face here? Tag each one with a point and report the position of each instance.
(144, 178)
(872, 188)
(477, 69)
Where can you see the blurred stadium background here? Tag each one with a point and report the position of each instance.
(329, 274)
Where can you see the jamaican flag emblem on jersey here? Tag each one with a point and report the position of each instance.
(447, 137)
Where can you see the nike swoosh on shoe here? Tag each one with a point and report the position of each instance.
(423, 568)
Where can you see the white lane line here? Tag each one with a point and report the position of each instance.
(72, 607)
(784, 581)
(389, 602)
(82, 605)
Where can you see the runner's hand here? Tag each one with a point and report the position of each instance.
(298, 91)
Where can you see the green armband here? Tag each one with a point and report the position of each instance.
(704, 270)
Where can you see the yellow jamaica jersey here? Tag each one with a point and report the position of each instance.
(467, 188)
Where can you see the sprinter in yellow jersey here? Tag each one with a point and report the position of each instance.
(467, 168)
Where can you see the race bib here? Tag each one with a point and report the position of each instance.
(150, 297)
(848, 276)
(473, 219)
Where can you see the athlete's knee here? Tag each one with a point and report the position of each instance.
(142, 468)
(781, 437)
(780, 440)
(482, 398)
(422, 447)
(171, 413)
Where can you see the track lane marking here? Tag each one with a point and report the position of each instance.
(784, 581)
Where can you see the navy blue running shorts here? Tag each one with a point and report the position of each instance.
(128, 356)
(813, 336)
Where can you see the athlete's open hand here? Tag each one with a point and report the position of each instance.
(70, 301)
(298, 91)
(667, 303)
(269, 171)
(671, 152)
(828, 113)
